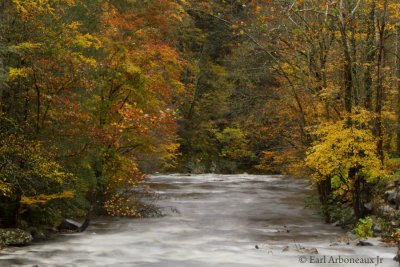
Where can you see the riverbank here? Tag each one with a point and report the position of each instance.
(24, 237)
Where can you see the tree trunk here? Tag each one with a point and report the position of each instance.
(324, 191)
(398, 88)
(17, 209)
(347, 68)
(370, 48)
(379, 84)
(358, 205)
(348, 79)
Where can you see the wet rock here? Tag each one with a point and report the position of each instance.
(350, 236)
(14, 237)
(73, 226)
(393, 184)
(388, 212)
(364, 243)
(304, 250)
(311, 251)
(39, 234)
(368, 207)
(69, 225)
(257, 247)
(376, 226)
(308, 250)
(392, 197)
(377, 229)
(348, 239)
(337, 223)
(84, 225)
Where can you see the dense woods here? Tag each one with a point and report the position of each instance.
(96, 93)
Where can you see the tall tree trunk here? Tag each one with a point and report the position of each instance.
(354, 70)
(398, 88)
(379, 84)
(347, 67)
(371, 49)
(17, 209)
(324, 191)
(348, 77)
(358, 205)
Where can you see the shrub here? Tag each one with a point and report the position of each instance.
(363, 228)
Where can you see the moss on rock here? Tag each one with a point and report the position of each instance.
(14, 237)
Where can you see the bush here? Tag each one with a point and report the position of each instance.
(363, 228)
(341, 213)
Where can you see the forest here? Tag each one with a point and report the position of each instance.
(96, 94)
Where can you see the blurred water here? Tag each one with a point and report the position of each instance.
(212, 220)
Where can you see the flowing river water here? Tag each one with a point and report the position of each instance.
(211, 220)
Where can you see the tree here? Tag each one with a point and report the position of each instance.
(346, 155)
(91, 86)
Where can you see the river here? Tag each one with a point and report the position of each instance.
(211, 220)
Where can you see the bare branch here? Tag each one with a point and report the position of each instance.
(355, 8)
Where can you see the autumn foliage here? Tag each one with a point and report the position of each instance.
(96, 93)
(88, 93)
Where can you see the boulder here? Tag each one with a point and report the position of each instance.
(376, 226)
(388, 212)
(14, 237)
(392, 196)
(364, 243)
(311, 251)
(368, 208)
(39, 234)
(304, 250)
(350, 236)
(377, 229)
(69, 225)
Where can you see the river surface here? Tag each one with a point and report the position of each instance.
(211, 220)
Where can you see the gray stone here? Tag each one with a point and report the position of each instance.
(73, 226)
(311, 251)
(69, 225)
(388, 212)
(391, 196)
(350, 236)
(307, 250)
(39, 234)
(364, 243)
(15, 237)
(377, 229)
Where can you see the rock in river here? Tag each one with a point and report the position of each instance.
(73, 226)
(14, 237)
